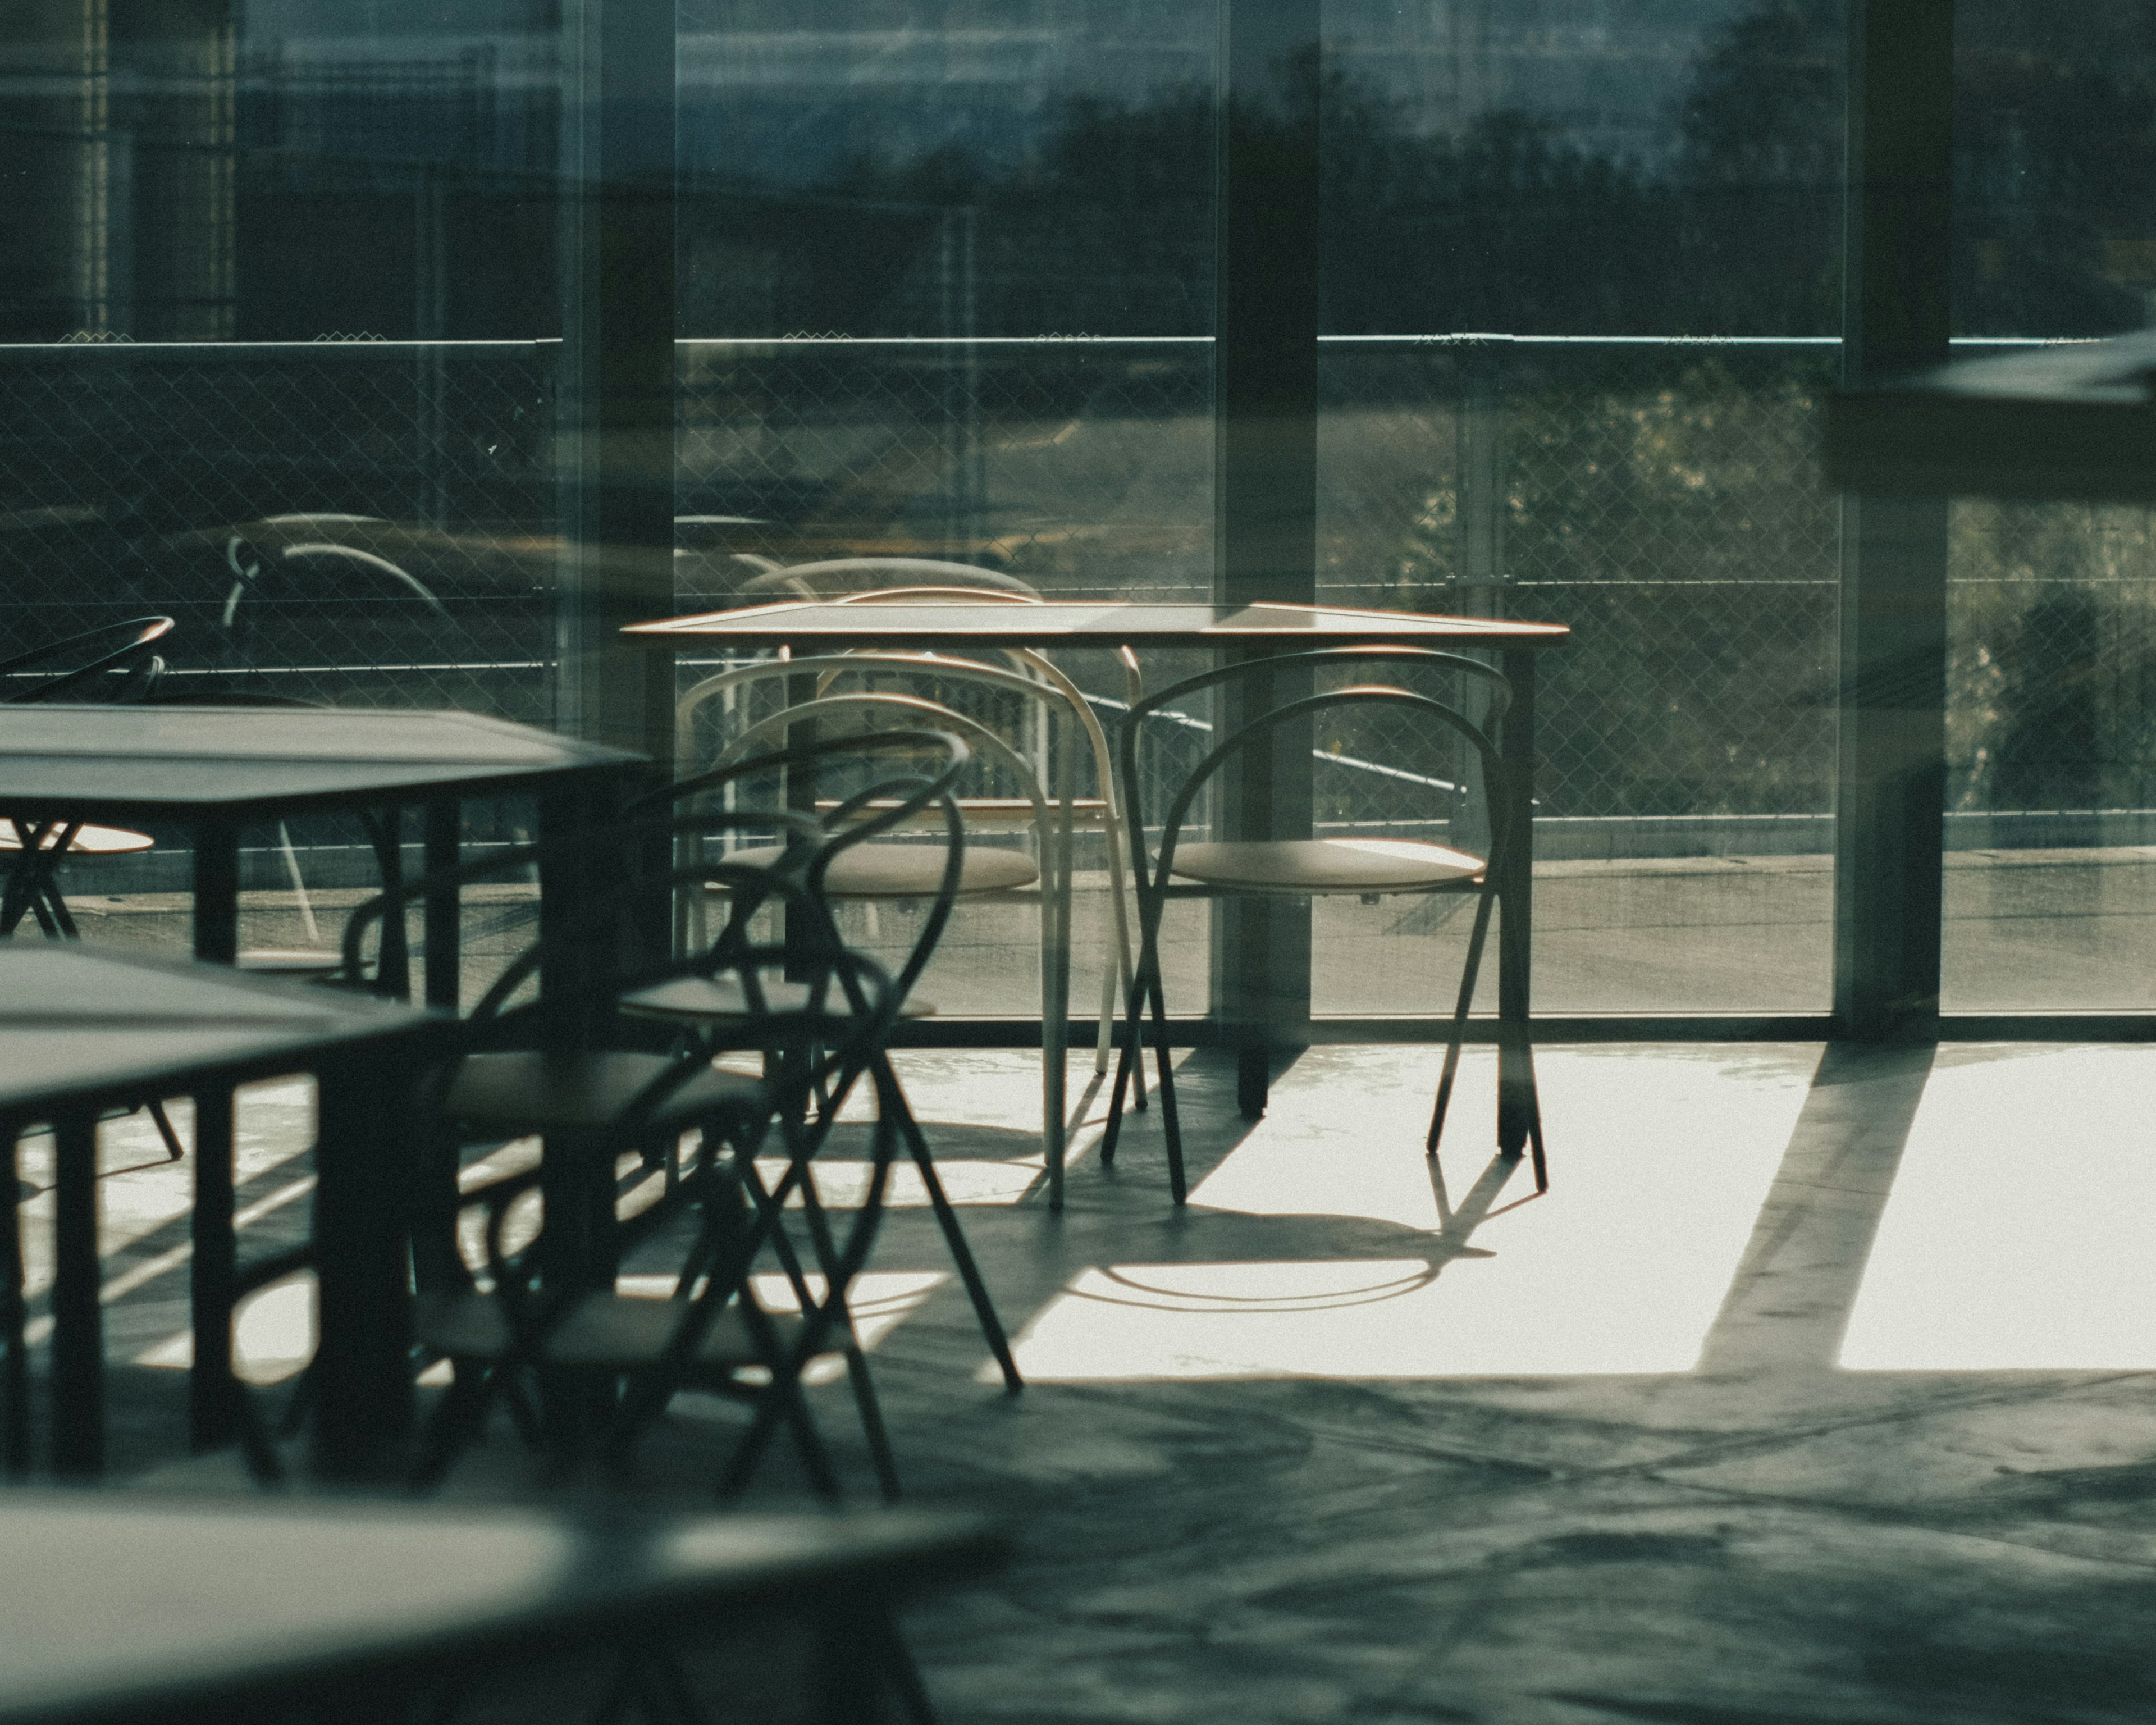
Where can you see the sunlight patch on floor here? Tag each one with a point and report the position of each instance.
(140, 1190)
(1660, 1162)
(2018, 1234)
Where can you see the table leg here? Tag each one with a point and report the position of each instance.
(217, 891)
(211, 1390)
(15, 1387)
(1517, 1118)
(444, 923)
(78, 1367)
(362, 1388)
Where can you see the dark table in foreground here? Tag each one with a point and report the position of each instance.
(1107, 624)
(84, 1029)
(131, 1607)
(218, 769)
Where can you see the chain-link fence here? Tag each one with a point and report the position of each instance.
(355, 521)
(374, 522)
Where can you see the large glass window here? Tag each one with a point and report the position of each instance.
(945, 289)
(1581, 292)
(274, 304)
(2051, 895)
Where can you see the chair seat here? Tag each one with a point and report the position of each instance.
(910, 870)
(606, 1332)
(1001, 811)
(88, 841)
(1326, 865)
(529, 1091)
(700, 999)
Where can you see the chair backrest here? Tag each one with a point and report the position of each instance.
(72, 668)
(900, 796)
(823, 1041)
(837, 577)
(1258, 727)
(650, 857)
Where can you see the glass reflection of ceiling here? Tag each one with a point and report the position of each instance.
(1660, 1160)
(2019, 1235)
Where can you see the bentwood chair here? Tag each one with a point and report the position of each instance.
(898, 870)
(1180, 867)
(714, 1012)
(597, 1083)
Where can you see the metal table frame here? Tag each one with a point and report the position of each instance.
(221, 769)
(136, 1024)
(1095, 624)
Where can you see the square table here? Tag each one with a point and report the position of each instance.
(129, 1606)
(928, 626)
(218, 769)
(85, 1028)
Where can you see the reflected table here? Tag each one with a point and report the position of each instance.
(813, 626)
(127, 1606)
(86, 1028)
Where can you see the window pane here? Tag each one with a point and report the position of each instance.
(945, 293)
(1602, 187)
(247, 235)
(2051, 716)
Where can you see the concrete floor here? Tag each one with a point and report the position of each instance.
(1817, 1388)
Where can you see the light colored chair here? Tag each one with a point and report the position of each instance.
(1046, 807)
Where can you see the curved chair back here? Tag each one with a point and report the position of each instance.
(1260, 726)
(125, 651)
(303, 568)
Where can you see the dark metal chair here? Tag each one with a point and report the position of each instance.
(1366, 868)
(597, 1082)
(713, 1012)
(116, 663)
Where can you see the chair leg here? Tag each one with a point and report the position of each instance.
(954, 1238)
(1130, 1063)
(1467, 975)
(1171, 1125)
(872, 1426)
(456, 1424)
(163, 1122)
(905, 1677)
(1253, 1078)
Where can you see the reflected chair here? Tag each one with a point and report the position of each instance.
(837, 577)
(1365, 868)
(302, 561)
(118, 664)
(1045, 805)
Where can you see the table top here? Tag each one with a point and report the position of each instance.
(132, 1605)
(197, 760)
(86, 1024)
(1091, 623)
